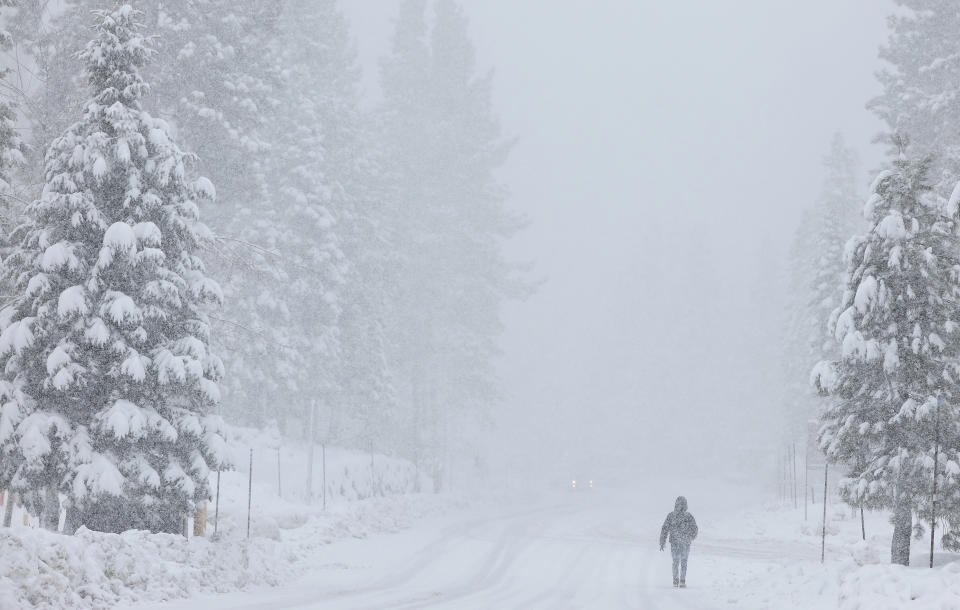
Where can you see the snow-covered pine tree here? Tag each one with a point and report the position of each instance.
(407, 130)
(109, 385)
(920, 94)
(801, 332)
(217, 84)
(328, 180)
(53, 89)
(367, 393)
(817, 279)
(896, 378)
(296, 306)
(212, 81)
(12, 146)
(443, 144)
(470, 148)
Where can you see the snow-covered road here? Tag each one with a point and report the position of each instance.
(590, 549)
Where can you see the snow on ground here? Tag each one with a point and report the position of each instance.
(558, 549)
(365, 496)
(598, 549)
(770, 558)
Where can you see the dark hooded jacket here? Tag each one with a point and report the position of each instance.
(680, 526)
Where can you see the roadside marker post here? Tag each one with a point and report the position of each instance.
(250, 493)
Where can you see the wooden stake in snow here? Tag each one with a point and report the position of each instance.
(786, 474)
(312, 440)
(793, 466)
(323, 453)
(783, 475)
(823, 538)
(781, 483)
(806, 481)
(216, 508)
(279, 491)
(250, 493)
(936, 456)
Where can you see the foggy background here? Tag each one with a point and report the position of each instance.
(665, 153)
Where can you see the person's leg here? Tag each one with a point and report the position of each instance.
(684, 554)
(675, 553)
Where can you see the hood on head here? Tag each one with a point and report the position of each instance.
(681, 504)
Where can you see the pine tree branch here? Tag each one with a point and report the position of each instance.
(252, 331)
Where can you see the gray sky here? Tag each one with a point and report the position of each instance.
(666, 150)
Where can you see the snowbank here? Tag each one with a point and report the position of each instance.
(771, 559)
(92, 570)
(365, 495)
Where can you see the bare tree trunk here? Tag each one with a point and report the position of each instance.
(72, 521)
(437, 476)
(8, 508)
(336, 421)
(200, 521)
(436, 436)
(416, 444)
(902, 530)
(51, 509)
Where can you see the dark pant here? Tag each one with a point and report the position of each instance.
(680, 552)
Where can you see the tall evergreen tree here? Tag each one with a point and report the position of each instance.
(216, 83)
(920, 94)
(267, 93)
(817, 278)
(109, 383)
(331, 165)
(212, 81)
(12, 146)
(284, 347)
(894, 386)
(443, 145)
(800, 341)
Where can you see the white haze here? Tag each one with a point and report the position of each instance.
(665, 152)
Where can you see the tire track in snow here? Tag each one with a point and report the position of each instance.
(513, 542)
(430, 559)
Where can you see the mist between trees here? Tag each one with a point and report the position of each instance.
(205, 223)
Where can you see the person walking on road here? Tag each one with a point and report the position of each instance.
(681, 528)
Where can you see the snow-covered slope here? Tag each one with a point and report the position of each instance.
(41, 569)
